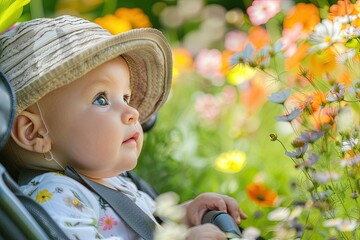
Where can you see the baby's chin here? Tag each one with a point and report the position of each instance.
(108, 173)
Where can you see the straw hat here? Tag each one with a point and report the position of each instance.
(44, 54)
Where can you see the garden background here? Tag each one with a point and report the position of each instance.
(230, 125)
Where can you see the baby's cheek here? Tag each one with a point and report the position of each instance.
(91, 147)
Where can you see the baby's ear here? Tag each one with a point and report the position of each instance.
(29, 132)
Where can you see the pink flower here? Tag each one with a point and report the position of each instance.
(262, 10)
(228, 95)
(207, 106)
(290, 38)
(235, 41)
(208, 63)
(107, 222)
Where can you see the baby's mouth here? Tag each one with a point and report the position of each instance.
(133, 138)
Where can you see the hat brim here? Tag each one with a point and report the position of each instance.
(145, 50)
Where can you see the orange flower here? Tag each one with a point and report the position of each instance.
(309, 102)
(123, 20)
(136, 17)
(261, 194)
(113, 24)
(299, 55)
(343, 8)
(322, 62)
(254, 96)
(306, 14)
(225, 61)
(345, 78)
(324, 118)
(259, 37)
(317, 100)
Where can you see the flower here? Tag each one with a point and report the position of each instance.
(317, 86)
(135, 16)
(167, 207)
(261, 11)
(261, 194)
(289, 39)
(253, 95)
(171, 230)
(323, 177)
(336, 93)
(322, 62)
(10, 11)
(114, 24)
(343, 8)
(123, 20)
(251, 233)
(279, 214)
(258, 37)
(107, 222)
(307, 15)
(208, 62)
(343, 225)
(208, 106)
(325, 34)
(291, 116)
(183, 62)
(77, 6)
(311, 160)
(235, 40)
(355, 88)
(299, 150)
(43, 196)
(74, 202)
(311, 136)
(231, 162)
(350, 162)
(245, 56)
(280, 97)
(240, 73)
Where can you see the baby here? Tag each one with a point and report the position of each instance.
(82, 94)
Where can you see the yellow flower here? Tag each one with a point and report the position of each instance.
(231, 162)
(240, 73)
(10, 11)
(183, 62)
(43, 196)
(123, 20)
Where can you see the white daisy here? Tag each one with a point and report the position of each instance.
(325, 34)
(351, 32)
(346, 19)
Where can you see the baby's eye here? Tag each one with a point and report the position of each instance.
(127, 99)
(101, 100)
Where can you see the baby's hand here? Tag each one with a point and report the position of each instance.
(205, 231)
(205, 202)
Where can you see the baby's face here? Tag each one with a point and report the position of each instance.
(90, 122)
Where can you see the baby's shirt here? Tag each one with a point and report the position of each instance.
(81, 213)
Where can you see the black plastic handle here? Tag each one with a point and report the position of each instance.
(223, 221)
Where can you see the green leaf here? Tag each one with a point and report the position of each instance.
(10, 11)
(4, 4)
(353, 43)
